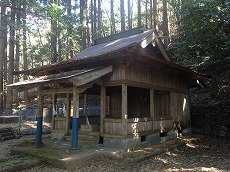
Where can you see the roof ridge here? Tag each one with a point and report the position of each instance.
(119, 35)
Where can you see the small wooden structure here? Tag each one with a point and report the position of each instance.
(125, 87)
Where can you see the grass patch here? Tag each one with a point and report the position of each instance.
(15, 164)
(42, 152)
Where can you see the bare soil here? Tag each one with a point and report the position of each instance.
(200, 153)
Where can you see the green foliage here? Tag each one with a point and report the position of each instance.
(204, 35)
(203, 44)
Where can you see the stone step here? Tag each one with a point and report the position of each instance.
(8, 138)
(18, 163)
(92, 133)
(9, 119)
(4, 130)
(85, 139)
(7, 134)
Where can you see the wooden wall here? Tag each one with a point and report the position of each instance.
(113, 127)
(134, 126)
(163, 125)
(139, 125)
(60, 123)
(180, 108)
(115, 106)
(141, 74)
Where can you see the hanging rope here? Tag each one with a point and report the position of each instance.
(54, 111)
(64, 109)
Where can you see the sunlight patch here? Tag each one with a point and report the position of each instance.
(192, 145)
(171, 154)
(209, 169)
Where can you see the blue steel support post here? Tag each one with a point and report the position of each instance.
(39, 130)
(75, 133)
(39, 117)
(75, 118)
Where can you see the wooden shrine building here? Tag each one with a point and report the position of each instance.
(125, 88)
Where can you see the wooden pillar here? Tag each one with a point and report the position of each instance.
(102, 116)
(152, 106)
(172, 105)
(85, 109)
(68, 111)
(75, 119)
(54, 101)
(124, 110)
(39, 116)
(75, 102)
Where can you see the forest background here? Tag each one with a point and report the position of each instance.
(195, 33)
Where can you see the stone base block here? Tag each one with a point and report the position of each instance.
(85, 127)
(9, 119)
(135, 142)
(59, 135)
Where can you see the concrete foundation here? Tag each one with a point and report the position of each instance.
(132, 143)
(58, 134)
(9, 119)
(85, 127)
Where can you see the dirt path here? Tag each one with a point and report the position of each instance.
(208, 154)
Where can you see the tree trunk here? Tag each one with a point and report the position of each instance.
(24, 51)
(91, 21)
(139, 13)
(59, 43)
(165, 23)
(70, 31)
(53, 38)
(9, 100)
(87, 25)
(146, 14)
(94, 18)
(99, 18)
(129, 14)
(83, 15)
(122, 12)
(155, 14)
(151, 14)
(17, 55)
(3, 45)
(5, 60)
(113, 31)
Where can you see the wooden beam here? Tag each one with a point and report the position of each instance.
(57, 90)
(82, 88)
(147, 40)
(162, 48)
(145, 85)
(90, 76)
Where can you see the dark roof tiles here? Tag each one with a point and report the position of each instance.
(114, 45)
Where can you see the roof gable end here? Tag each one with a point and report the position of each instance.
(119, 35)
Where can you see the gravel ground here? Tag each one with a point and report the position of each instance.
(28, 128)
(207, 154)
